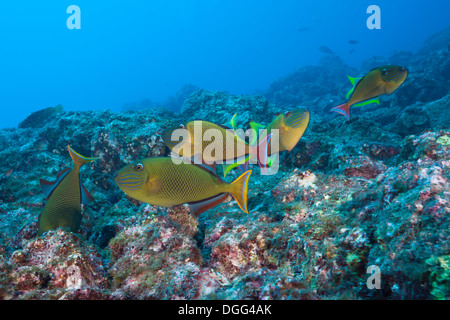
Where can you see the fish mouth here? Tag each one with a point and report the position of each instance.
(130, 181)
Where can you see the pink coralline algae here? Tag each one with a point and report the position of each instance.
(56, 265)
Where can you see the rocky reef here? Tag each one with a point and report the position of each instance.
(372, 191)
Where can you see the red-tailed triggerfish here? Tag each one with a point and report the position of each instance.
(64, 197)
(207, 142)
(163, 182)
(365, 90)
(291, 126)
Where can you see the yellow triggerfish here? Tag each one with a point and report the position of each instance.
(291, 126)
(379, 81)
(64, 197)
(212, 143)
(163, 182)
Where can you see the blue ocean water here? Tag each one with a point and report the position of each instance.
(129, 51)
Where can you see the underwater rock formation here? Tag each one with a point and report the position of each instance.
(372, 191)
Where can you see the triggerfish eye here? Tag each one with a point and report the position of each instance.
(139, 167)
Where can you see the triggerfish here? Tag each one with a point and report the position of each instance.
(291, 126)
(163, 182)
(379, 81)
(213, 143)
(64, 197)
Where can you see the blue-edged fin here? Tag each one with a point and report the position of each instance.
(272, 159)
(85, 195)
(263, 153)
(78, 159)
(239, 190)
(360, 104)
(233, 121)
(343, 109)
(208, 167)
(242, 164)
(354, 82)
(256, 127)
(201, 206)
(48, 186)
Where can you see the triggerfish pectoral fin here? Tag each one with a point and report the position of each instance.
(343, 109)
(239, 190)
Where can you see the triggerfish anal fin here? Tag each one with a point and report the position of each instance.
(360, 104)
(201, 206)
(85, 195)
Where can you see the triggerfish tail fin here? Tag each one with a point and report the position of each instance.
(239, 190)
(78, 159)
(343, 109)
(354, 82)
(201, 206)
(263, 153)
(244, 167)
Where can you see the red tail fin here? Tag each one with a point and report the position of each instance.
(263, 153)
(343, 109)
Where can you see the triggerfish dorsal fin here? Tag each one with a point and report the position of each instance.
(256, 127)
(233, 121)
(354, 82)
(78, 159)
(48, 186)
(208, 167)
(201, 206)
